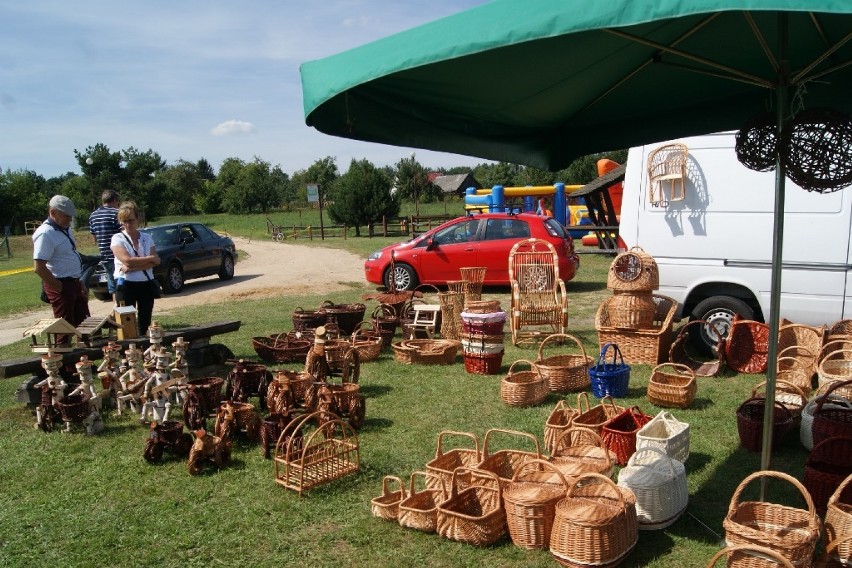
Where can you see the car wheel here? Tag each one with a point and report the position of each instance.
(174, 279)
(405, 278)
(226, 271)
(718, 312)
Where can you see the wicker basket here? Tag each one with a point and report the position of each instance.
(385, 320)
(297, 381)
(806, 435)
(831, 558)
(838, 521)
(747, 346)
(827, 465)
(619, 433)
(482, 306)
(281, 348)
(794, 366)
(444, 463)
(505, 463)
(633, 271)
(308, 319)
(579, 451)
(667, 434)
(523, 388)
(419, 510)
(557, 423)
(788, 394)
(347, 316)
(672, 385)
(210, 391)
(565, 372)
(831, 420)
(482, 363)
(645, 346)
(659, 483)
(367, 340)
(403, 353)
(750, 424)
(386, 505)
(790, 531)
(632, 310)
(595, 525)
(839, 345)
(432, 351)
(799, 335)
(594, 417)
(682, 352)
(610, 379)
(836, 366)
(491, 323)
(473, 515)
(472, 276)
(452, 304)
(530, 502)
(750, 556)
(74, 408)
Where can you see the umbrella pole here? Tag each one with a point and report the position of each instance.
(781, 92)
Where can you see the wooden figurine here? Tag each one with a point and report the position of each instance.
(53, 392)
(108, 370)
(208, 448)
(132, 381)
(179, 347)
(157, 401)
(93, 422)
(155, 337)
(194, 411)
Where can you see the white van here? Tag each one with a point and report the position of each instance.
(714, 247)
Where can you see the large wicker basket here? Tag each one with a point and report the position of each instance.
(747, 346)
(672, 385)
(446, 462)
(633, 271)
(750, 424)
(595, 525)
(568, 372)
(347, 316)
(419, 510)
(308, 319)
(790, 531)
(523, 388)
(659, 483)
(367, 340)
(683, 352)
(432, 351)
(473, 515)
(594, 417)
(281, 348)
(505, 463)
(530, 502)
(632, 310)
(619, 432)
(829, 419)
(648, 346)
(806, 434)
(826, 466)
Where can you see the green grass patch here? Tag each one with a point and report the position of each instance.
(77, 500)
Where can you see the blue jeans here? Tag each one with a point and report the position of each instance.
(109, 268)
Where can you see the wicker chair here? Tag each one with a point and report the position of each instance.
(667, 164)
(539, 298)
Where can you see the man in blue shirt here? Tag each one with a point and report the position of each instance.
(56, 262)
(103, 224)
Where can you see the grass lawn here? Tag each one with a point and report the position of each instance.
(77, 501)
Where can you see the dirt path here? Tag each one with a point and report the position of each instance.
(267, 269)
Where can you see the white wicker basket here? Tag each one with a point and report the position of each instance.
(667, 434)
(806, 433)
(659, 483)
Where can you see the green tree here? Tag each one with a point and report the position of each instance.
(584, 169)
(184, 187)
(324, 173)
(22, 198)
(226, 182)
(534, 177)
(361, 196)
(501, 173)
(412, 182)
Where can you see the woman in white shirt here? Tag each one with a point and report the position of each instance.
(135, 259)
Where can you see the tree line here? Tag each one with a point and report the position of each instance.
(361, 195)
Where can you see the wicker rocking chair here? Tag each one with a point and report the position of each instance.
(539, 299)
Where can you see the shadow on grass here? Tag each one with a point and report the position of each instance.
(701, 404)
(374, 391)
(375, 424)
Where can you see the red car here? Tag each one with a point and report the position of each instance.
(436, 256)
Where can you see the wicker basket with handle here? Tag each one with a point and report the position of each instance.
(788, 394)
(747, 346)
(619, 432)
(741, 554)
(595, 524)
(829, 419)
(826, 466)
(446, 462)
(682, 351)
(593, 417)
(633, 271)
(659, 483)
(523, 388)
(789, 531)
(419, 510)
(567, 372)
(474, 515)
(838, 521)
(666, 433)
(530, 502)
(806, 435)
(505, 463)
(579, 451)
(386, 505)
(367, 340)
(672, 385)
(750, 423)
(557, 423)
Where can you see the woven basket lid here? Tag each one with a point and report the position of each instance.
(633, 271)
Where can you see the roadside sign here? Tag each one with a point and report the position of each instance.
(313, 193)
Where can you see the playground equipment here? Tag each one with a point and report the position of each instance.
(494, 199)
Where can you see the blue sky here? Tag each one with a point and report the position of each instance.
(188, 79)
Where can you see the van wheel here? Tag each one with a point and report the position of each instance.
(718, 311)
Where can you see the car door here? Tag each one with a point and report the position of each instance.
(500, 236)
(450, 248)
(193, 255)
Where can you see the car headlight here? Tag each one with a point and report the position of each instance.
(375, 255)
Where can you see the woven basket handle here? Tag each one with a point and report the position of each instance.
(560, 336)
(479, 472)
(299, 310)
(838, 493)
(783, 386)
(650, 449)
(586, 478)
(412, 491)
(581, 398)
(677, 368)
(615, 353)
(511, 433)
(439, 451)
(385, 490)
(751, 550)
(777, 475)
(326, 304)
(795, 363)
(610, 401)
(519, 475)
(528, 362)
(796, 352)
(834, 386)
(833, 346)
(587, 432)
(831, 548)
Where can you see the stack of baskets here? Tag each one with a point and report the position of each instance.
(634, 317)
(483, 338)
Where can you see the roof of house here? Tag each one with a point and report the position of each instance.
(455, 183)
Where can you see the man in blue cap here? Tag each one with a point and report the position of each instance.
(57, 263)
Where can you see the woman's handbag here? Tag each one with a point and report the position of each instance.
(156, 289)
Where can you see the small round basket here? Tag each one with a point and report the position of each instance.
(74, 408)
(210, 389)
(523, 388)
(367, 341)
(567, 372)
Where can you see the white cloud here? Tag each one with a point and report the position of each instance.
(232, 127)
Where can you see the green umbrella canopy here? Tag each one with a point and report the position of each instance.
(541, 82)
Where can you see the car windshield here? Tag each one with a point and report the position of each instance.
(163, 236)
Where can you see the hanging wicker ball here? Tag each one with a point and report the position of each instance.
(757, 143)
(816, 148)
